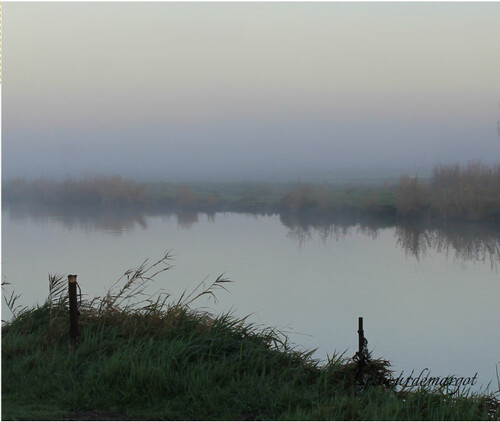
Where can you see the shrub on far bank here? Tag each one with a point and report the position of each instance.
(412, 198)
(100, 191)
(454, 192)
(471, 192)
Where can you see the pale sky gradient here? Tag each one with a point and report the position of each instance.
(247, 91)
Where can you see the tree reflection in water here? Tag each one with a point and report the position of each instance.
(186, 219)
(302, 233)
(467, 242)
(113, 221)
(301, 228)
(94, 220)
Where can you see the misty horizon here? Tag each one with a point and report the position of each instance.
(248, 91)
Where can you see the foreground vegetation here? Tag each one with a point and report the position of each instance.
(453, 193)
(153, 358)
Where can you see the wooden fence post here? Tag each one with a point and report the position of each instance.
(361, 336)
(73, 311)
(360, 359)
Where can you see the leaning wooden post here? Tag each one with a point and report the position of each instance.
(73, 311)
(361, 336)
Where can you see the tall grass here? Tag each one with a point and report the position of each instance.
(143, 356)
(103, 191)
(412, 198)
(468, 192)
(329, 200)
(455, 192)
(114, 192)
(471, 192)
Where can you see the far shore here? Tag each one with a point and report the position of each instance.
(454, 193)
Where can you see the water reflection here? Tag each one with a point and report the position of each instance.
(466, 242)
(471, 242)
(335, 232)
(185, 220)
(302, 229)
(116, 221)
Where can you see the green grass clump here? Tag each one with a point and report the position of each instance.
(158, 359)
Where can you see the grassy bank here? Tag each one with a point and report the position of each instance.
(155, 358)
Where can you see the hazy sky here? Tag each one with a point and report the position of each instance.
(278, 91)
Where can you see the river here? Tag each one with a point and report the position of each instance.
(429, 298)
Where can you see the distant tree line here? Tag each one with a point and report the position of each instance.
(455, 192)
(95, 192)
(468, 192)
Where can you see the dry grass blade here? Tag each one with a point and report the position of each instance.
(135, 283)
(186, 300)
(58, 291)
(11, 300)
(127, 294)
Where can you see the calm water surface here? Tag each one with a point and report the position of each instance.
(430, 299)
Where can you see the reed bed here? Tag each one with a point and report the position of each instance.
(148, 357)
(90, 192)
(469, 192)
(455, 192)
(118, 194)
